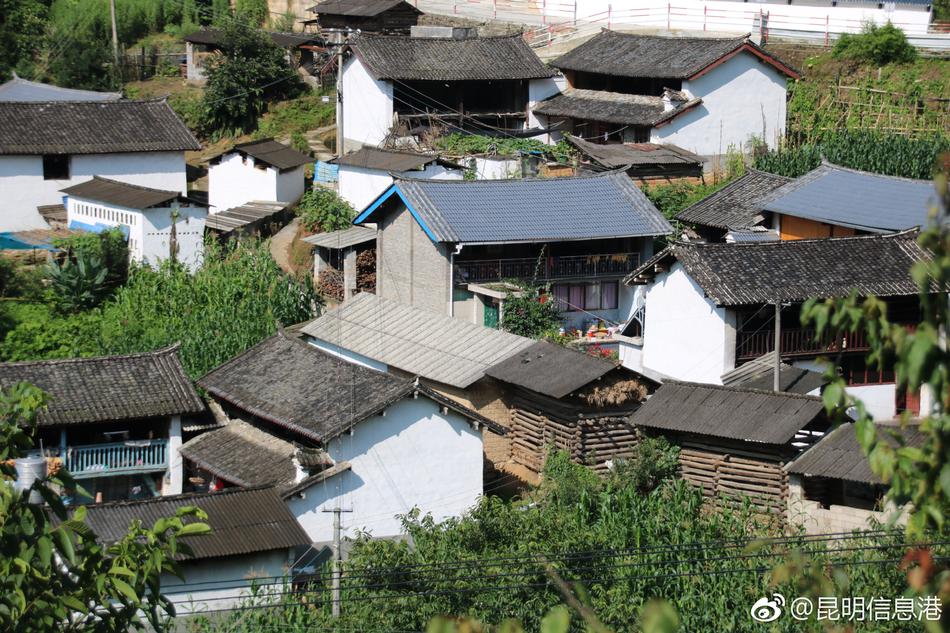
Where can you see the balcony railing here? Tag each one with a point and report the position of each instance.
(117, 458)
(796, 342)
(560, 267)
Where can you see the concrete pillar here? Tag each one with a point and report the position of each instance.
(320, 262)
(174, 476)
(349, 273)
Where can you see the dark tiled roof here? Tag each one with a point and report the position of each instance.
(611, 107)
(437, 59)
(637, 55)
(108, 388)
(121, 194)
(759, 374)
(857, 199)
(763, 272)
(242, 521)
(839, 455)
(243, 455)
(269, 151)
(752, 234)
(616, 155)
(213, 37)
(549, 369)
(92, 127)
(738, 204)
(530, 210)
(728, 412)
(54, 212)
(295, 385)
(358, 8)
(388, 160)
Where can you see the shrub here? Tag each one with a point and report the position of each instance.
(110, 247)
(877, 45)
(655, 461)
(77, 285)
(321, 209)
(531, 314)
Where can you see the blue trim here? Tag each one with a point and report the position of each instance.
(386, 195)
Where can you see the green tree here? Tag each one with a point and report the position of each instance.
(876, 44)
(529, 313)
(254, 11)
(251, 72)
(22, 23)
(220, 12)
(323, 210)
(54, 573)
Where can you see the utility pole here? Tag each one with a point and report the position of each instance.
(339, 96)
(337, 561)
(776, 386)
(115, 37)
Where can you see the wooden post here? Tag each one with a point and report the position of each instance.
(776, 385)
(669, 13)
(115, 37)
(610, 11)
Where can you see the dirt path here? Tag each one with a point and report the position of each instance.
(280, 245)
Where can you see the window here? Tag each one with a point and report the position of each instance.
(857, 372)
(56, 167)
(577, 297)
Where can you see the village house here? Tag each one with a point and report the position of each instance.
(829, 201)
(46, 147)
(366, 173)
(703, 94)
(204, 45)
(832, 487)
(734, 441)
(114, 422)
(19, 89)
(452, 246)
(262, 170)
(643, 162)
(251, 549)
(366, 16)
(344, 435)
(407, 85)
(151, 219)
(703, 310)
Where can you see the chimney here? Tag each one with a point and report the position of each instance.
(444, 32)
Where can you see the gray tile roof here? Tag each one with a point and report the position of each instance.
(356, 8)
(764, 272)
(389, 160)
(121, 194)
(737, 205)
(839, 455)
(19, 89)
(728, 412)
(657, 56)
(532, 210)
(243, 455)
(242, 521)
(92, 127)
(549, 369)
(108, 388)
(343, 238)
(299, 387)
(616, 155)
(270, 152)
(861, 200)
(600, 105)
(437, 59)
(431, 345)
(759, 374)
(752, 234)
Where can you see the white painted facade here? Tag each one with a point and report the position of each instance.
(236, 180)
(367, 107)
(175, 475)
(360, 186)
(742, 98)
(416, 455)
(538, 91)
(24, 188)
(149, 230)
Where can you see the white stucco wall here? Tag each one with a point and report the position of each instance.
(539, 90)
(234, 181)
(221, 583)
(742, 98)
(414, 456)
(880, 400)
(24, 189)
(360, 186)
(686, 336)
(367, 106)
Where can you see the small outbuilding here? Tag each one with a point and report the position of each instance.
(644, 162)
(256, 170)
(367, 16)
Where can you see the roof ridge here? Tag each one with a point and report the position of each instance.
(158, 353)
(671, 36)
(766, 392)
(380, 36)
(184, 495)
(902, 235)
(828, 164)
(503, 181)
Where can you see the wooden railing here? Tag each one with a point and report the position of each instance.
(117, 458)
(563, 267)
(796, 342)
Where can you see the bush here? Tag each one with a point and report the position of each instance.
(876, 45)
(531, 314)
(655, 461)
(110, 247)
(77, 285)
(321, 209)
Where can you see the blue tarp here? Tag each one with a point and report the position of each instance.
(98, 227)
(25, 241)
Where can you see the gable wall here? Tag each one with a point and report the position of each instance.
(234, 181)
(367, 106)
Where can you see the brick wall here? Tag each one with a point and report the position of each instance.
(411, 268)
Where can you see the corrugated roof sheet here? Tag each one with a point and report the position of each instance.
(242, 521)
(617, 155)
(764, 272)
(760, 374)
(297, 386)
(108, 388)
(388, 160)
(357, 8)
(243, 455)
(19, 89)
(531, 210)
(270, 152)
(121, 194)
(728, 412)
(343, 238)
(438, 59)
(737, 205)
(549, 369)
(431, 345)
(656, 56)
(92, 127)
(857, 199)
(241, 216)
(839, 455)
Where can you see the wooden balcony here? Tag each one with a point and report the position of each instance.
(604, 265)
(796, 342)
(117, 458)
